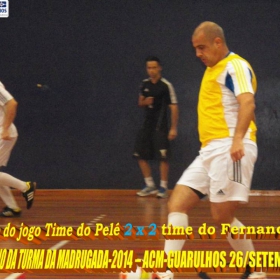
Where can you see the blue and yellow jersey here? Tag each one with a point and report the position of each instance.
(217, 105)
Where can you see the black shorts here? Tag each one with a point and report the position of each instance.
(151, 144)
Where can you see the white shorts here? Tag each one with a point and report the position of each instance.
(6, 147)
(214, 173)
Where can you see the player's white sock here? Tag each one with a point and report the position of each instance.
(243, 245)
(8, 198)
(164, 184)
(8, 180)
(176, 219)
(149, 181)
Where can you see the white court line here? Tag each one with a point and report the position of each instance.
(55, 247)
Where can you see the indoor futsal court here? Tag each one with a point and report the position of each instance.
(84, 89)
(73, 207)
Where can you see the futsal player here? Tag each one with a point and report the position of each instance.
(8, 132)
(226, 123)
(157, 96)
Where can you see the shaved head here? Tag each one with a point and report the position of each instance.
(209, 42)
(211, 30)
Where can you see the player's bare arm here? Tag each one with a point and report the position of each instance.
(145, 101)
(174, 121)
(245, 116)
(10, 114)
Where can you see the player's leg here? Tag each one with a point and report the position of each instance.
(224, 213)
(145, 168)
(143, 153)
(230, 185)
(190, 189)
(162, 150)
(11, 209)
(147, 173)
(164, 170)
(182, 200)
(150, 187)
(27, 188)
(8, 180)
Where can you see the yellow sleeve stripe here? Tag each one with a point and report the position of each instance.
(240, 75)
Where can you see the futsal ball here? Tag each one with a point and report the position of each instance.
(139, 274)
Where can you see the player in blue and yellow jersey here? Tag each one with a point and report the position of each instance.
(226, 123)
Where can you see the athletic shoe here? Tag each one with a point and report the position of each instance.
(10, 213)
(147, 191)
(163, 275)
(29, 194)
(162, 193)
(253, 275)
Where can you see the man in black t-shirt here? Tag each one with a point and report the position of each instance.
(157, 95)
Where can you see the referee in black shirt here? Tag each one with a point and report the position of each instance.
(152, 142)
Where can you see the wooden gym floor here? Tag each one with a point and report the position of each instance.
(70, 208)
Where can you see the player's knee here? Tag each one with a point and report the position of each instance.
(181, 200)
